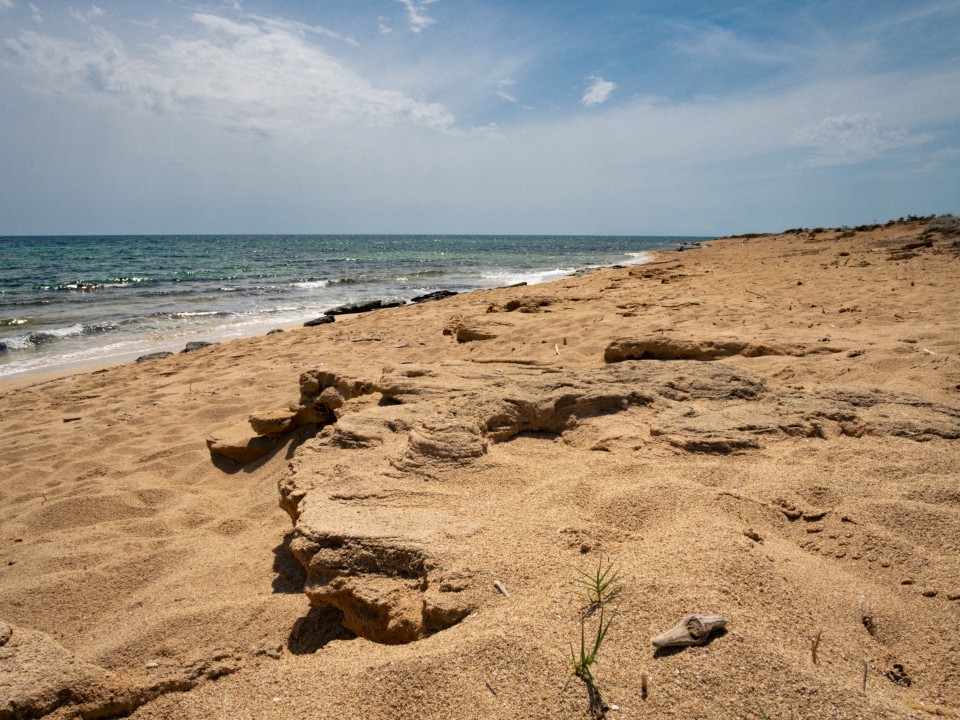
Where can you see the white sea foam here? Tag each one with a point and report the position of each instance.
(637, 258)
(307, 284)
(531, 277)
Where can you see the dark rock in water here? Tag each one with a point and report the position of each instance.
(363, 307)
(618, 267)
(275, 331)
(322, 320)
(3, 348)
(197, 345)
(154, 356)
(436, 295)
(38, 338)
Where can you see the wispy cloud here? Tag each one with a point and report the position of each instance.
(718, 42)
(91, 13)
(501, 91)
(36, 13)
(598, 92)
(252, 74)
(850, 139)
(6, 4)
(382, 26)
(417, 14)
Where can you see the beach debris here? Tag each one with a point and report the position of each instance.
(692, 630)
(322, 320)
(489, 686)
(154, 356)
(72, 419)
(501, 587)
(815, 645)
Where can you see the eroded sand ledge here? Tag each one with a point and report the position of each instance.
(764, 430)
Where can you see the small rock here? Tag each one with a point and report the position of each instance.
(436, 295)
(275, 331)
(753, 535)
(197, 345)
(274, 422)
(152, 665)
(897, 674)
(236, 444)
(11, 562)
(6, 632)
(322, 320)
(154, 356)
(929, 593)
(907, 581)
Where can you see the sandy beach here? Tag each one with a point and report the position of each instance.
(386, 516)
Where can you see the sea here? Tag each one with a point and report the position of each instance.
(69, 302)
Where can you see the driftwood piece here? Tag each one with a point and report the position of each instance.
(691, 630)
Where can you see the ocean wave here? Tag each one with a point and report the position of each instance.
(14, 321)
(636, 258)
(43, 337)
(94, 285)
(388, 277)
(307, 284)
(192, 314)
(531, 277)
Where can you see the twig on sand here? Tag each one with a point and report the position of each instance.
(489, 687)
(814, 645)
(501, 587)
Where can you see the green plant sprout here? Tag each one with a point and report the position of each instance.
(598, 587)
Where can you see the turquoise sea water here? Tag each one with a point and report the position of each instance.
(69, 300)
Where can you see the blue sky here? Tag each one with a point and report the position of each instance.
(475, 116)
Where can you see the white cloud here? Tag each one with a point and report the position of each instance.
(502, 92)
(598, 92)
(382, 26)
(256, 75)
(91, 13)
(6, 4)
(849, 139)
(36, 13)
(417, 14)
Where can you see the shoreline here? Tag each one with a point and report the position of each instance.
(389, 512)
(26, 378)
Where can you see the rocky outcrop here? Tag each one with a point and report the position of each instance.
(363, 307)
(524, 304)
(664, 347)
(435, 295)
(395, 568)
(236, 443)
(38, 676)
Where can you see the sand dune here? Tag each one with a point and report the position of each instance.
(765, 430)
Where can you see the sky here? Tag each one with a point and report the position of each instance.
(612, 117)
